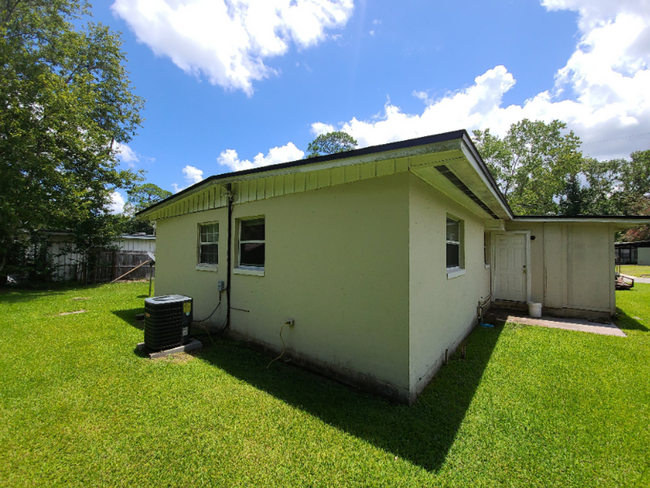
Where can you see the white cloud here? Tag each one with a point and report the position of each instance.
(126, 154)
(228, 41)
(192, 175)
(318, 128)
(594, 12)
(282, 154)
(117, 203)
(601, 92)
(463, 109)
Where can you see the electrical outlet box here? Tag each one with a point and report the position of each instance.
(221, 285)
(290, 322)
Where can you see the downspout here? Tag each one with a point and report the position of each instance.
(228, 260)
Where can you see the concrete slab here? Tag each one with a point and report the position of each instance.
(190, 346)
(569, 324)
(637, 279)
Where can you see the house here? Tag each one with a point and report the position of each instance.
(633, 252)
(368, 265)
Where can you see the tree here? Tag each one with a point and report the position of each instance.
(614, 187)
(633, 195)
(141, 197)
(331, 143)
(634, 183)
(532, 164)
(145, 195)
(642, 232)
(66, 103)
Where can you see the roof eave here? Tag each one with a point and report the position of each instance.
(225, 178)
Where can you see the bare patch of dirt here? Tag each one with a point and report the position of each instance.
(71, 313)
(179, 358)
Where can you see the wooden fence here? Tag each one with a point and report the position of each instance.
(109, 265)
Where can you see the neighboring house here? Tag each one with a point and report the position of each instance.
(378, 255)
(130, 250)
(633, 252)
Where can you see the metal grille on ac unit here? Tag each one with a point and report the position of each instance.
(167, 321)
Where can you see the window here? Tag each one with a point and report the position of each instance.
(208, 245)
(251, 243)
(454, 248)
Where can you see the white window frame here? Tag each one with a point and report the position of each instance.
(247, 269)
(456, 271)
(200, 266)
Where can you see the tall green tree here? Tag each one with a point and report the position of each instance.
(145, 195)
(331, 143)
(66, 102)
(614, 187)
(141, 197)
(634, 183)
(532, 163)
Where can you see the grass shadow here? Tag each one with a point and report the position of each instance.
(422, 433)
(128, 316)
(22, 296)
(625, 321)
(25, 293)
(140, 353)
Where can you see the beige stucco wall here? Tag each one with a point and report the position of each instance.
(176, 259)
(442, 311)
(336, 262)
(572, 266)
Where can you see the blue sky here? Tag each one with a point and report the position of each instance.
(242, 83)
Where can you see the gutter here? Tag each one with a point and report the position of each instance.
(605, 219)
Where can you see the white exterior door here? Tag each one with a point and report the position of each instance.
(510, 267)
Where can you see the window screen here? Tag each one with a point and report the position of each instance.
(209, 244)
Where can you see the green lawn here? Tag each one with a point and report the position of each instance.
(634, 270)
(530, 406)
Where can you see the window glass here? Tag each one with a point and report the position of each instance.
(453, 243)
(252, 230)
(251, 243)
(252, 254)
(209, 244)
(453, 255)
(209, 254)
(210, 233)
(452, 230)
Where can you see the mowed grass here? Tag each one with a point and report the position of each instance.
(529, 406)
(634, 270)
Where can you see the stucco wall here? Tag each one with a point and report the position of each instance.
(336, 262)
(442, 310)
(572, 266)
(176, 260)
